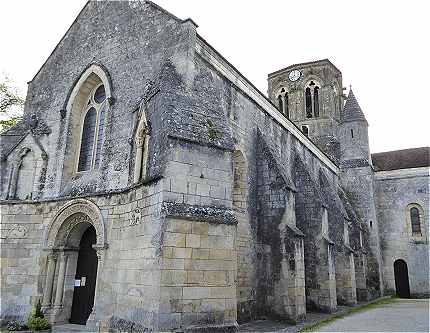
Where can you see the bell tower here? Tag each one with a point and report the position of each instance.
(311, 95)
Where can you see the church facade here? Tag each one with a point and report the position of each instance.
(151, 187)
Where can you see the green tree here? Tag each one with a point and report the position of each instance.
(11, 104)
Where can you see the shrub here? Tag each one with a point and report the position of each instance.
(38, 324)
(37, 321)
(13, 325)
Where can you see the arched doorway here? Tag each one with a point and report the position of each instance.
(401, 278)
(75, 243)
(85, 278)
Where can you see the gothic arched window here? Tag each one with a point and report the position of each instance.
(92, 129)
(415, 221)
(312, 100)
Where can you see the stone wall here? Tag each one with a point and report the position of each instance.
(198, 275)
(359, 187)
(395, 190)
(128, 273)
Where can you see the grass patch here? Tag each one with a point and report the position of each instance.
(369, 306)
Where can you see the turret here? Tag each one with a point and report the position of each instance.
(357, 181)
(353, 134)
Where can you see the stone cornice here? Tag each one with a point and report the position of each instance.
(210, 214)
(402, 173)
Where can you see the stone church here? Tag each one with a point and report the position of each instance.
(151, 187)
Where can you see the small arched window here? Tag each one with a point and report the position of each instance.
(415, 221)
(312, 100)
(93, 130)
(305, 130)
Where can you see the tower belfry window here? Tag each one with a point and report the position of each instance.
(287, 111)
(308, 98)
(283, 102)
(312, 100)
(316, 102)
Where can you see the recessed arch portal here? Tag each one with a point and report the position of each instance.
(75, 238)
(74, 216)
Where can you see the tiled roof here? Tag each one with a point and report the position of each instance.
(352, 110)
(402, 159)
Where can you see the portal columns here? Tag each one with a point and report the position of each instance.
(100, 250)
(49, 282)
(60, 282)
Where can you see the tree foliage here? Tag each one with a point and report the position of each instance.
(11, 104)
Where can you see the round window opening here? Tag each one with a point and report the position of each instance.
(100, 94)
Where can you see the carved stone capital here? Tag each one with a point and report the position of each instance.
(100, 250)
(53, 256)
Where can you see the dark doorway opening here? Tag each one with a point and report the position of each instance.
(85, 279)
(401, 278)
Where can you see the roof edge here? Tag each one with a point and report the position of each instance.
(59, 42)
(303, 64)
(397, 150)
(164, 10)
(265, 103)
(80, 12)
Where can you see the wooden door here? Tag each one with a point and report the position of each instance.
(85, 279)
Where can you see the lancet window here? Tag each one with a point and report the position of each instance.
(93, 129)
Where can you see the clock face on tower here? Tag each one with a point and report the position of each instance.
(294, 75)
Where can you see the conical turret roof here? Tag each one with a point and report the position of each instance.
(352, 110)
